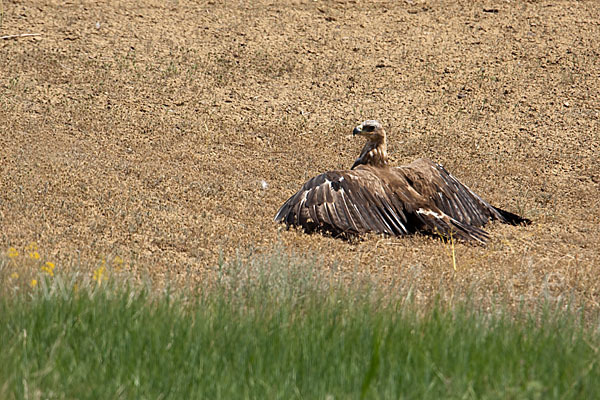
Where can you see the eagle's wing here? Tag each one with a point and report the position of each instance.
(352, 202)
(455, 199)
(359, 201)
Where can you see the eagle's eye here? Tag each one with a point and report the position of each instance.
(369, 128)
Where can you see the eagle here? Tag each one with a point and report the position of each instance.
(374, 196)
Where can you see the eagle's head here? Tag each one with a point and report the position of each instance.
(375, 150)
(371, 129)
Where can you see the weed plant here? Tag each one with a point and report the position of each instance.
(274, 327)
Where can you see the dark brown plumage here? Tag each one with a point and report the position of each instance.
(374, 197)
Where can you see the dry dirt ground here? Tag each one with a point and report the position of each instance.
(145, 130)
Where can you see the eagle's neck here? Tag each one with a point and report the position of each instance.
(374, 153)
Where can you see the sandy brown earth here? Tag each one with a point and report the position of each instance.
(145, 130)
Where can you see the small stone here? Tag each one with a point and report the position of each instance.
(566, 104)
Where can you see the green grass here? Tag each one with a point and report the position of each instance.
(275, 328)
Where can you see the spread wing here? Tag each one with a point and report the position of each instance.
(452, 197)
(359, 201)
(352, 202)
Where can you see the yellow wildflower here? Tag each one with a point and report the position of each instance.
(48, 268)
(12, 252)
(99, 275)
(14, 275)
(32, 249)
(33, 283)
(118, 263)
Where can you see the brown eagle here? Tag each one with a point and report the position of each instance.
(375, 197)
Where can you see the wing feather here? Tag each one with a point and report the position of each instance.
(349, 211)
(440, 223)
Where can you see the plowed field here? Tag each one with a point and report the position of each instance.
(169, 132)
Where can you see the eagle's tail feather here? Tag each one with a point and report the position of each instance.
(509, 218)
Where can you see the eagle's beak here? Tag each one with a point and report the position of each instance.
(357, 130)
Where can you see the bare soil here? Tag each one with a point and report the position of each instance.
(146, 129)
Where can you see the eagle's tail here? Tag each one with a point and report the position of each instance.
(509, 218)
